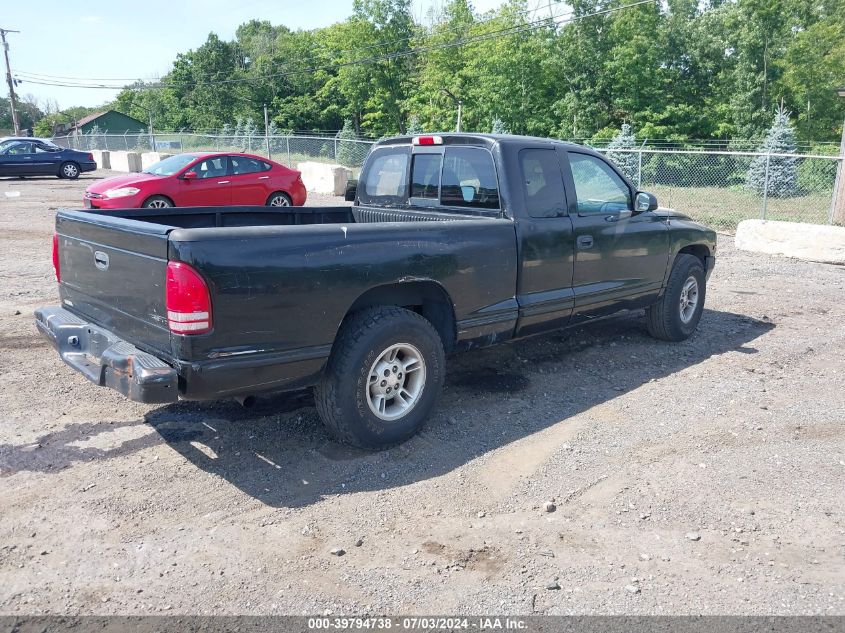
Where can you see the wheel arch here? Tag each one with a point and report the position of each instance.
(702, 251)
(425, 297)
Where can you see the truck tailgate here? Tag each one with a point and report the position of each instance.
(113, 274)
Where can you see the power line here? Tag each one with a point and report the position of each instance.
(382, 44)
(514, 30)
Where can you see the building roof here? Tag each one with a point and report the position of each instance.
(80, 123)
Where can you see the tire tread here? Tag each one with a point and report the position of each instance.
(355, 327)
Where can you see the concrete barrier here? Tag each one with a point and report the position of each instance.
(151, 158)
(125, 161)
(102, 158)
(811, 242)
(324, 177)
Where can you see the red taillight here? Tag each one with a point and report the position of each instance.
(91, 157)
(56, 268)
(427, 140)
(188, 300)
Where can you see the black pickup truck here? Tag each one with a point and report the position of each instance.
(454, 242)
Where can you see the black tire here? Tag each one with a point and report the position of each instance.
(664, 319)
(344, 393)
(157, 202)
(69, 170)
(279, 199)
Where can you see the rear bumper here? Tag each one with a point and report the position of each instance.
(86, 166)
(107, 360)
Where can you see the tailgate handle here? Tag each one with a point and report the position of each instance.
(101, 260)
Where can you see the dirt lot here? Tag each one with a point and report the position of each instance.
(702, 477)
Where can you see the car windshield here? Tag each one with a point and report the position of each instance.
(170, 166)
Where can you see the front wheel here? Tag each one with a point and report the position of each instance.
(157, 202)
(69, 171)
(676, 315)
(383, 378)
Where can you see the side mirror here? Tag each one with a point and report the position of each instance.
(189, 175)
(644, 202)
(351, 191)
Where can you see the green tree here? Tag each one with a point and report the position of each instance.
(347, 152)
(626, 160)
(782, 177)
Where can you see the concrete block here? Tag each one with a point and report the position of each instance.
(324, 177)
(125, 161)
(810, 242)
(102, 158)
(151, 158)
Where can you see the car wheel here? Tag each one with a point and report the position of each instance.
(157, 202)
(383, 378)
(676, 315)
(69, 171)
(279, 199)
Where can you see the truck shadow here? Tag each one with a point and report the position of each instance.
(279, 453)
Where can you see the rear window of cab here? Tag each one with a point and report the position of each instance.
(458, 177)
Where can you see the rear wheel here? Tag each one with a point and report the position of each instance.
(383, 379)
(69, 171)
(676, 315)
(157, 202)
(279, 199)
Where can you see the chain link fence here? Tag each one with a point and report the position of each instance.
(717, 188)
(721, 189)
(288, 149)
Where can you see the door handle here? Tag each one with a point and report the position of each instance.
(222, 182)
(263, 177)
(585, 241)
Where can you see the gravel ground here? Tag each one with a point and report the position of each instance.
(700, 477)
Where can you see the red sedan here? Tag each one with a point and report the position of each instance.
(201, 180)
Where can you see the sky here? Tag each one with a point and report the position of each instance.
(118, 39)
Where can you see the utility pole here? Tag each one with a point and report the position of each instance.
(12, 100)
(458, 102)
(837, 206)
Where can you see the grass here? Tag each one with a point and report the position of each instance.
(723, 208)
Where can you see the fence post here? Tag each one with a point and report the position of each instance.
(287, 141)
(766, 186)
(640, 169)
(125, 140)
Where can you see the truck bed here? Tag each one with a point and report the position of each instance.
(281, 281)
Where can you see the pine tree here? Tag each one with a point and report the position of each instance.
(626, 161)
(498, 127)
(94, 137)
(347, 153)
(414, 126)
(226, 135)
(783, 170)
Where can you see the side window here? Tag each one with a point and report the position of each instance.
(20, 148)
(386, 177)
(211, 167)
(266, 166)
(425, 176)
(598, 188)
(469, 179)
(243, 165)
(542, 183)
